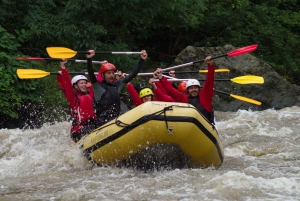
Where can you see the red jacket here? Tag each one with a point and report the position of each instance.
(206, 93)
(134, 94)
(81, 105)
(158, 94)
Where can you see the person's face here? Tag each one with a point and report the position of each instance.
(109, 76)
(81, 86)
(147, 98)
(193, 91)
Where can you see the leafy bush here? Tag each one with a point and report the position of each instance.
(13, 90)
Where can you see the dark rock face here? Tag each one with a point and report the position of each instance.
(275, 93)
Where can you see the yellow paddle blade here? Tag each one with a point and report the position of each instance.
(216, 70)
(60, 52)
(246, 99)
(248, 79)
(31, 73)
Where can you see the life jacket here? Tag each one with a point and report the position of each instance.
(108, 107)
(196, 103)
(83, 113)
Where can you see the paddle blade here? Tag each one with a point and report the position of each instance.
(248, 79)
(246, 99)
(60, 52)
(31, 73)
(216, 71)
(243, 50)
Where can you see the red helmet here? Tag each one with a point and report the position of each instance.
(182, 86)
(106, 67)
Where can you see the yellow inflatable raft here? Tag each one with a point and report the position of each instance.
(156, 133)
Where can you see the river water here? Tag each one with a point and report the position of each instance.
(262, 162)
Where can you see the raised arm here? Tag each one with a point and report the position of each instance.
(207, 92)
(64, 81)
(90, 69)
(158, 93)
(171, 91)
(137, 68)
(134, 94)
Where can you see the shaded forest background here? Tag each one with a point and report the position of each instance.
(163, 28)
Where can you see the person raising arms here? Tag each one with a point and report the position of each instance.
(80, 98)
(107, 99)
(199, 98)
(146, 94)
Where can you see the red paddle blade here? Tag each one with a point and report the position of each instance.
(29, 58)
(243, 50)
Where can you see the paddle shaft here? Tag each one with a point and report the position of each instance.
(192, 63)
(183, 72)
(79, 61)
(236, 52)
(180, 80)
(107, 52)
(222, 92)
(54, 59)
(72, 73)
(247, 79)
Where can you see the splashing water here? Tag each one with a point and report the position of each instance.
(262, 151)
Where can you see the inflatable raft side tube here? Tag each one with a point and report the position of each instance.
(147, 118)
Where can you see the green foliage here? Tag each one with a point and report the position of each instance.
(163, 28)
(13, 90)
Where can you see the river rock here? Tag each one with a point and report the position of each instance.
(276, 92)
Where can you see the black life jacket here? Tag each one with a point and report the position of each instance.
(196, 103)
(108, 107)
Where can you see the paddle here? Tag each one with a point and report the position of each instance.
(237, 52)
(52, 59)
(247, 79)
(35, 73)
(224, 93)
(240, 98)
(200, 71)
(63, 52)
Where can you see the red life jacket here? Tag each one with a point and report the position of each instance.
(83, 111)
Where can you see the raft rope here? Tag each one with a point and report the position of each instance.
(150, 116)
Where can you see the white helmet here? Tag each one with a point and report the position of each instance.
(76, 78)
(192, 82)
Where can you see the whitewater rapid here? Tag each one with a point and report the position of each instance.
(262, 152)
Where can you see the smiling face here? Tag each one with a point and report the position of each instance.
(109, 76)
(81, 86)
(193, 91)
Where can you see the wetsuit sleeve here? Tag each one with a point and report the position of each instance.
(134, 94)
(134, 72)
(98, 90)
(207, 92)
(91, 72)
(121, 84)
(174, 93)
